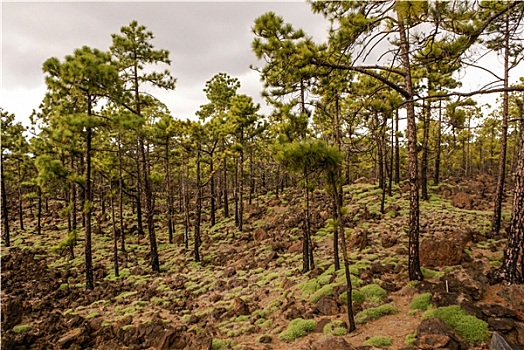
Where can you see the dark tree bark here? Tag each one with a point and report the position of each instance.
(225, 189)
(436, 176)
(198, 211)
(5, 214)
(501, 175)
(113, 224)
(425, 152)
(397, 151)
(169, 199)
(139, 191)
(88, 211)
(121, 198)
(512, 269)
(414, 214)
(20, 202)
(212, 191)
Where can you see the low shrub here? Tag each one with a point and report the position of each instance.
(421, 302)
(374, 293)
(297, 328)
(378, 341)
(336, 328)
(374, 313)
(470, 328)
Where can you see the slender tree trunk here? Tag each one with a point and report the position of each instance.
(225, 189)
(241, 185)
(397, 150)
(499, 194)
(392, 148)
(212, 191)
(139, 190)
(436, 176)
(413, 245)
(5, 214)
(198, 213)
(169, 194)
(251, 176)
(121, 198)
(39, 212)
(88, 211)
(425, 152)
(20, 203)
(307, 253)
(340, 228)
(113, 223)
(235, 192)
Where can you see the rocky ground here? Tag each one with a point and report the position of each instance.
(249, 288)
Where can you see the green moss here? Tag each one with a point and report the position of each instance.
(336, 328)
(429, 274)
(421, 302)
(296, 329)
(374, 313)
(374, 293)
(356, 297)
(378, 341)
(21, 328)
(325, 290)
(310, 287)
(472, 329)
(125, 295)
(220, 344)
(410, 339)
(92, 314)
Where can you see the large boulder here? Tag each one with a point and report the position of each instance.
(438, 251)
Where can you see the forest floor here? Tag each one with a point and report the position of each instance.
(249, 286)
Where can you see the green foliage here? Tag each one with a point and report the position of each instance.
(374, 313)
(472, 329)
(325, 290)
(222, 344)
(66, 243)
(310, 286)
(374, 293)
(356, 297)
(421, 302)
(410, 339)
(378, 341)
(21, 328)
(297, 328)
(336, 328)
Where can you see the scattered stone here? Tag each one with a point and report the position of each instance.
(240, 307)
(265, 339)
(433, 333)
(438, 251)
(462, 200)
(326, 342)
(327, 305)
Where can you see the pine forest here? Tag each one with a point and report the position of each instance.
(379, 204)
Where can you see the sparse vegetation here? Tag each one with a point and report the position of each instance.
(378, 341)
(297, 328)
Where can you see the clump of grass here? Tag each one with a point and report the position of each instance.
(374, 293)
(421, 302)
(21, 328)
(310, 287)
(374, 313)
(378, 341)
(336, 328)
(297, 328)
(429, 274)
(124, 295)
(470, 328)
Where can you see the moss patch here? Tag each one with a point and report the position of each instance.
(374, 313)
(378, 341)
(296, 329)
(421, 302)
(472, 329)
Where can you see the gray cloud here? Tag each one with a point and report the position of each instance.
(204, 38)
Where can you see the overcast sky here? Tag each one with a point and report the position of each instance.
(204, 38)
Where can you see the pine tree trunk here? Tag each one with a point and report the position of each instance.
(501, 175)
(340, 228)
(155, 264)
(413, 245)
(87, 208)
(241, 185)
(39, 212)
(113, 224)
(425, 151)
(139, 189)
(235, 192)
(512, 269)
(198, 213)
(212, 191)
(20, 203)
(306, 246)
(225, 189)
(397, 151)
(5, 214)
(436, 176)
(121, 198)
(169, 198)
